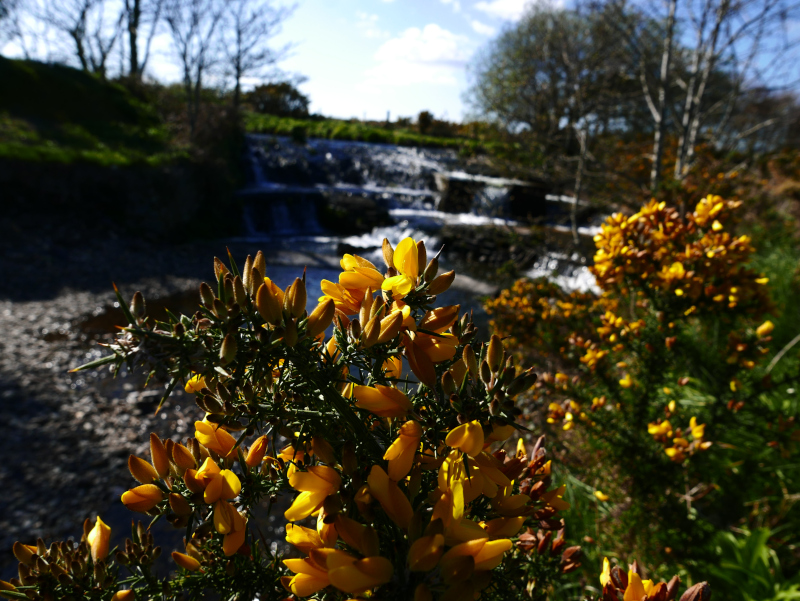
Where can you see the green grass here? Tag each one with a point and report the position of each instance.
(334, 129)
(53, 113)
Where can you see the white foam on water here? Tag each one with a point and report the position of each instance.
(566, 271)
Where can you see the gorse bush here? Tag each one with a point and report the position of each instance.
(659, 390)
(402, 484)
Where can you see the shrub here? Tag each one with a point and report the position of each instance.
(660, 386)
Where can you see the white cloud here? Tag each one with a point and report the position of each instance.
(368, 25)
(455, 4)
(505, 9)
(429, 55)
(482, 28)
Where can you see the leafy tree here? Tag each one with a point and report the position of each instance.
(282, 99)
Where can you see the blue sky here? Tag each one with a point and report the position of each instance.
(360, 57)
(403, 56)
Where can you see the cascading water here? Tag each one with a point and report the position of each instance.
(296, 193)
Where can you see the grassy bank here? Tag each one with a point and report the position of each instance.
(100, 155)
(335, 129)
(55, 113)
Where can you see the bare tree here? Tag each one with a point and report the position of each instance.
(85, 23)
(659, 111)
(9, 10)
(729, 48)
(732, 35)
(193, 25)
(248, 27)
(141, 16)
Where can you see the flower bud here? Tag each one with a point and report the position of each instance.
(365, 312)
(442, 283)
(227, 351)
(470, 361)
(158, 455)
(206, 296)
(494, 355)
(260, 265)
(219, 309)
(390, 327)
(257, 451)
(388, 254)
(765, 329)
(179, 504)
(372, 330)
(355, 329)
(228, 285)
(699, 592)
(247, 275)
(137, 306)
(192, 482)
(294, 300)
(268, 305)
(448, 383)
(220, 271)
(486, 372)
(544, 543)
(6, 586)
(209, 404)
(24, 553)
(422, 254)
(320, 318)
(142, 498)
(239, 293)
(672, 587)
(185, 561)
(98, 538)
(183, 457)
(142, 471)
(431, 270)
(440, 318)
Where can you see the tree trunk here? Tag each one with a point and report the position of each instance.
(658, 140)
(581, 134)
(690, 122)
(237, 90)
(710, 60)
(134, 14)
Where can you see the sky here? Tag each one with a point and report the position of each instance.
(360, 58)
(367, 57)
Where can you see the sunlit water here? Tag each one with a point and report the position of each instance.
(289, 181)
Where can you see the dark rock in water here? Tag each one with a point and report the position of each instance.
(350, 214)
(527, 202)
(457, 195)
(343, 248)
(493, 247)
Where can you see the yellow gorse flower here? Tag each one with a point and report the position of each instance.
(384, 401)
(98, 539)
(214, 437)
(142, 498)
(406, 262)
(401, 452)
(315, 486)
(467, 437)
